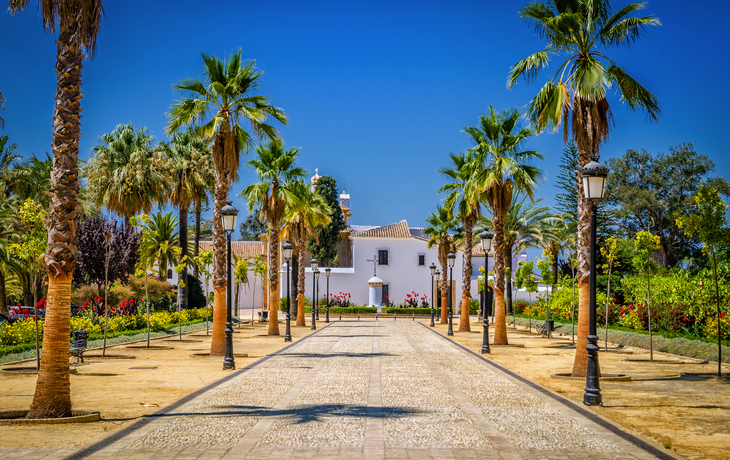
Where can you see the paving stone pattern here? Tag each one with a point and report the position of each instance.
(372, 389)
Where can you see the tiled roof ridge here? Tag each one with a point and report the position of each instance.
(395, 230)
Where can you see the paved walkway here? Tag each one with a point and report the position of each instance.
(374, 390)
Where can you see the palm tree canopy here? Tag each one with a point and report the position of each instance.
(164, 236)
(578, 32)
(305, 211)
(522, 223)
(187, 158)
(443, 231)
(124, 174)
(500, 164)
(464, 197)
(86, 14)
(220, 103)
(276, 170)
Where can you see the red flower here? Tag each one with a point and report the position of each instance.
(686, 319)
(19, 305)
(722, 315)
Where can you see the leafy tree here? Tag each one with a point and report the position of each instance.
(649, 192)
(125, 174)
(709, 223)
(645, 246)
(253, 226)
(610, 251)
(203, 261)
(566, 201)
(32, 179)
(276, 170)
(324, 246)
(502, 168)
(580, 33)
(444, 231)
(30, 247)
(92, 253)
(306, 212)
(545, 266)
(525, 279)
(166, 241)
(217, 108)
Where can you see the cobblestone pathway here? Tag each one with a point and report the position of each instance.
(371, 389)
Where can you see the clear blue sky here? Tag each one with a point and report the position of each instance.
(382, 89)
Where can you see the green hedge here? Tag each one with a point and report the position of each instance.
(344, 310)
(408, 311)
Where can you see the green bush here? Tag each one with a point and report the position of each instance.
(196, 296)
(408, 311)
(473, 307)
(344, 310)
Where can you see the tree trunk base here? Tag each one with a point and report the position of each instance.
(218, 341)
(464, 319)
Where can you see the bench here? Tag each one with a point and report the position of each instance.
(263, 317)
(543, 328)
(79, 344)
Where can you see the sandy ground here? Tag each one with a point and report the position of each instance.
(689, 415)
(120, 392)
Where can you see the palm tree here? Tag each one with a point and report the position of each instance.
(306, 211)
(78, 24)
(498, 139)
(522, 225)
(277, 171)
(445, 232)
(217, 107)
(165, 239)
(580, 31)
(32, 179)
(125, 174)
(188, 159)
(2, 107)
(464, 200)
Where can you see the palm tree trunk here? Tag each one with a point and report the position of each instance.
(52, 397)
(182, 289)
(3, 294)
(500, 317)
(300, 287)
(274, 280)
(580, 361)
(466, 278)
(508, 288)
(196, 250)
(442, 282)
(220, 284)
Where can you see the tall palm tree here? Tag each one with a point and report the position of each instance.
(125, 174)
(165, 238)
(78, 24)
(218, 106)
(498, 139)
(464, 201)
(276, 170)
(443, 231)
(522, 225)
(306, 211)
(579, 32)
(188, 158)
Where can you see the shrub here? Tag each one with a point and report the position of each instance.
(21, 331)
(84, 293)
(408, 311)
(473, 307)
(156, 287)
(196, 296)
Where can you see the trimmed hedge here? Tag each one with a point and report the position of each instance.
(640, 339)
(344, 310)
(409, 311)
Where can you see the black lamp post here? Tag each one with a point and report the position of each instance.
(316, 292)
(452, 260)
(437, 277)
(288, 248)
(327, 305)
(594, 185)
(228, 216)
(433, 272)
(487, 238)
(315, 266)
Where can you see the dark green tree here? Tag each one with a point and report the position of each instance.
(196, 297)
(566, 202)
(648, 192)
(253, 226)
(325, 250)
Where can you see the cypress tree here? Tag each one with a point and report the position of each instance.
(567, 201)
(324, 247)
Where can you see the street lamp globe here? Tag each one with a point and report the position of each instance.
(316, 274)
(452, 259)
(437, 275)
(594, 176)
(315, 264)
(288, 249)
(228, 216)
(433, 269)
(487, 238)
(327, 271)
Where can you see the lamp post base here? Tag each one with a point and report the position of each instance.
(592, 395)
(287, 335)
(485, 339)
(228, 362)
(451, 324)
(432, 322)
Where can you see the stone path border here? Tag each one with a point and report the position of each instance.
(593, 417)
(139, 424)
